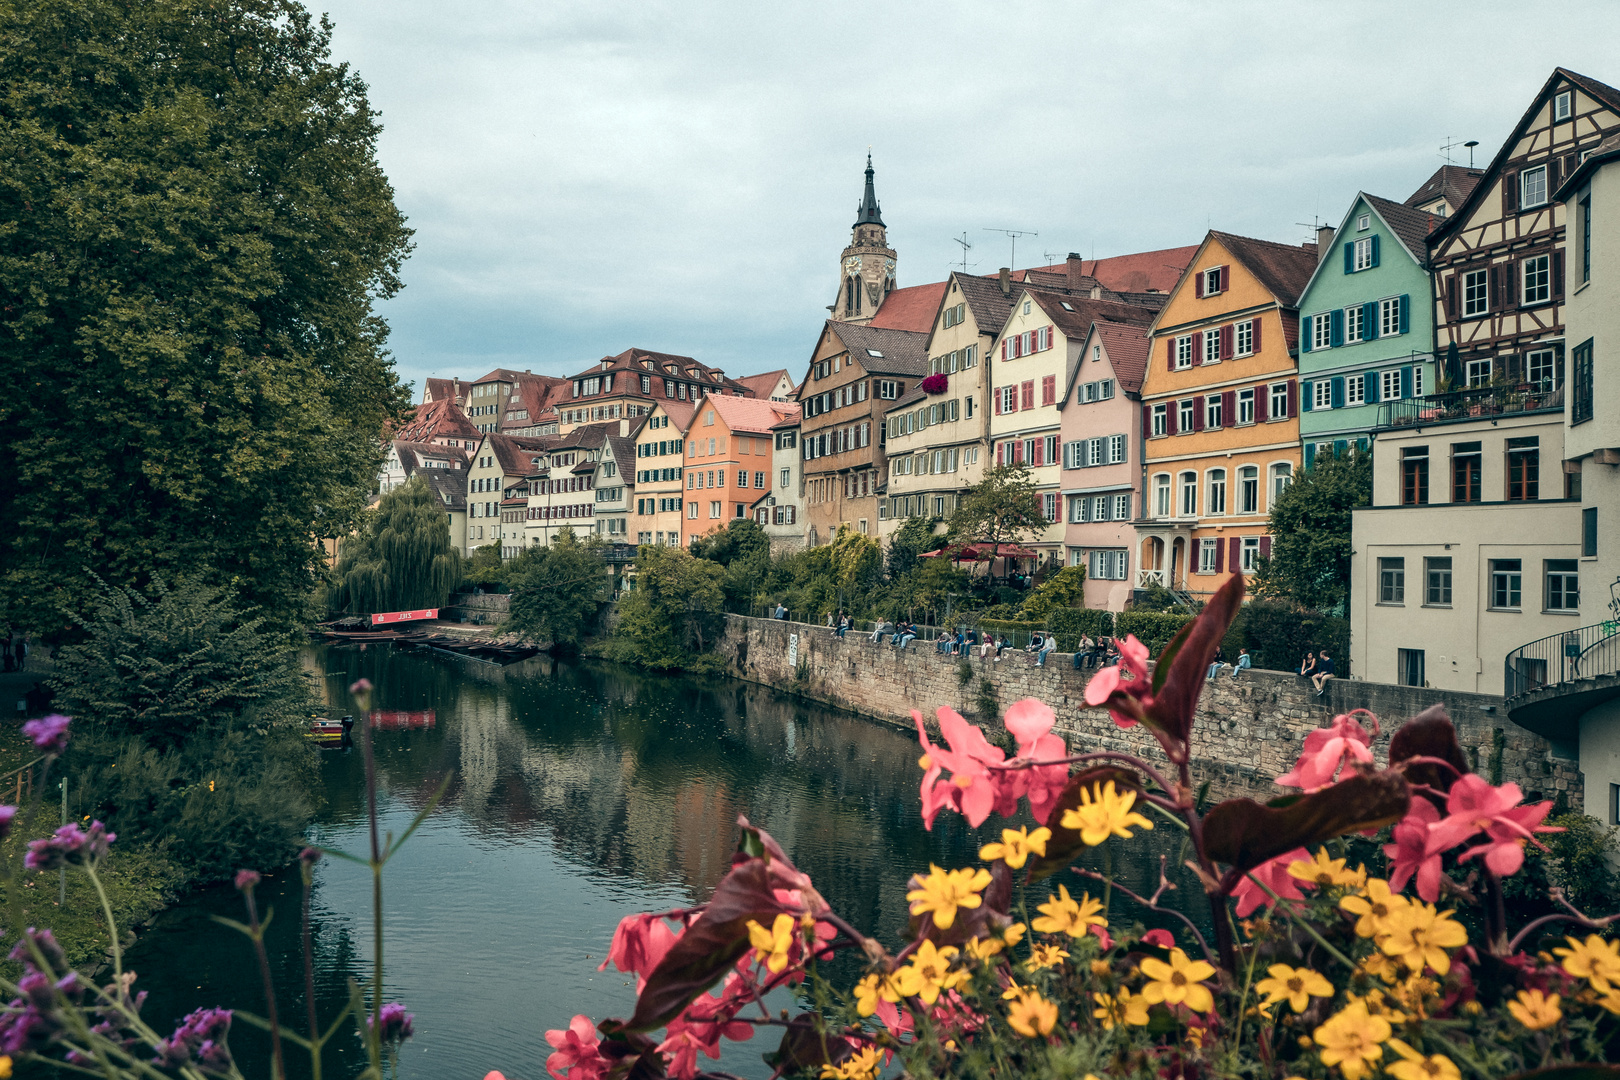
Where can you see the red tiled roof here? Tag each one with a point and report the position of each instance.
(1127, 348)
(1455, 182)
(515, 451)
(437, 389)
(679, 412)
(762, 385)
(1145, 271)
(440, 418)
(750, 415)
(912, 308)
(1283, 269)
(1074, 315)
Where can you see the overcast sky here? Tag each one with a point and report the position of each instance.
(683, 176)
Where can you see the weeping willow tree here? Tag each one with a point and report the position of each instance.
(401, 559)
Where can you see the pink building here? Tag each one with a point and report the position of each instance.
(1101, 485)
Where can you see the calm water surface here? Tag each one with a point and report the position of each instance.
(577, 793)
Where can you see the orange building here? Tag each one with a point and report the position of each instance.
(1220, 411)
(728, 465)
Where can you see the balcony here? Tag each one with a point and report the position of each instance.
(1476, 403)
(1552, 682)
(1144, 578)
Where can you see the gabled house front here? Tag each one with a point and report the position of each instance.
(660, 475)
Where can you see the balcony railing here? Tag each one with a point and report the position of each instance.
(1144, 578)
(1584, 653)
(1478, 402)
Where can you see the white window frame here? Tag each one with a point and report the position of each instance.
(1185, 410)
(1250, 554)
(1163, 502)
(1116, 449)
(1187, 500)
(1476, 293)
(1281, 475)
(1322, 395)
(1243, 338)
(1245, 407)
(1206, 555)
(1355, 390)
(1479, 372)
(1362, 257)
(1530, 180)
(1547, 360)
(1563, 106)
(1184, 352)
(1389, 316)
(1389, 385)
(1322, 331)
(1246, 483)
(1277, 405)
(1212, 281)
(1214, 414)
(1215, 499)
(1122, 507)
(1354, 315)
(1212, 346)
(1159, 418)
(1537, 269)
(1363, 222)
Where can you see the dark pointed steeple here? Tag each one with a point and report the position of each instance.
(869, 213)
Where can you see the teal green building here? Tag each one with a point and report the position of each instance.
(1366, 325)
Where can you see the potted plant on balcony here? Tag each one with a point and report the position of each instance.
(935, 383)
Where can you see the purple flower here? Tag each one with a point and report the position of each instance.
(201, 1034)
(310, 856)
(45, 942)
(69, 844)
(26, 1029)
(50, 735)
(360, 686)
(6, 814)
(393, 1022)
(246, 879)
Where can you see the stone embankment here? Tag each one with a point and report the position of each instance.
(1249, 730)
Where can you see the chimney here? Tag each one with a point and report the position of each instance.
(1324, 241)
(1074, 272)
(1006, 281)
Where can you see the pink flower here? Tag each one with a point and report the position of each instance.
(1030, 722)
(1127, 699)
(575, 1055)
(1162, 938)
(700, 1027)
(1504, 853)
(1329, 748)
(973, 789)
(1413, 852)
(895, 1020)
(1274, 875)
(639, 943)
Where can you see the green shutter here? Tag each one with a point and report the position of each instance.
(1305, 333)
(1406, 307)
(1350, 256)
(1369, 321)
(1310, 454)
(1337, 391)
(1375, 249)
(1305, 396)
(1406, 382)
(1336, 327)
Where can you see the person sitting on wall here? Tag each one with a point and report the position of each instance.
(1082, 652)
(1034, 645)
(781, 612)
(1048, 646)
(1244, 662)
(843, 624)
(1324, 672)
(985, 646)
(1215, 667)
(1307, 666)
(884, 626)
(908, 632)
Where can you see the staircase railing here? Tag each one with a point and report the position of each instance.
(1557, 659)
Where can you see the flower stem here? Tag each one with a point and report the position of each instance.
(1277, 904)
(112, 927)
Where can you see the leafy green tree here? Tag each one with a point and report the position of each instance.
(188, 726)
(1003, 508)
(485, 567)
(857, 561)
(745, 552)
(401, 559)
(1310, 529)
(1064, 589)
(675, 612)
(908, 542)
(556, 588)
(197, 229)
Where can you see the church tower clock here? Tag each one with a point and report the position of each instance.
(866, 269)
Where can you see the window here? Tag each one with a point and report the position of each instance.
(1536, 277)
(1207, 550)
(1584, 208)
(1524, 469)
(1161, 495)
(1563, 585)
(1008, 398)
(1476, 293)
(1244, 338)
(1048, 506)
(1217, 491)
(1249, 489)
(1533, 187)
(1160, 416)
(1212, 280)
(1321, 332)
(1580, 407)
(1282, 474)
(1353, 317)
(1322, 394)
(1392, 581)
(1212, 411)
(1563, 106)
(1184, 417)
(1245, 406)
(691, 509)
(1278, 405)
(887, 389)
(1479, 373)
(1505, 584)
(1250, 554)
(1363, 222)
(1466, 461)
(1189, 494)
(1437, 581)
(1184, 352)
(1122, 507)
(1363, 258)
(1541, 368)
(1409, 667)
(1116, 448)
(1355, 389)
(1389, 385)
(1415, 476)
(1391, 316)
(1105, 565)
(1589, 532)
(1212, 346)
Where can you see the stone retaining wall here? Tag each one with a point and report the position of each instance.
(1249, 729)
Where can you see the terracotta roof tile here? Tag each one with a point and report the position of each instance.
(911, 308)
(1145, 271)
(882, 351)
(679, 413)
(1282, 268)
(1411, 227)
(1074, 315)
(1454, 182)
(441, 418)
(762, 385)
(750, 415)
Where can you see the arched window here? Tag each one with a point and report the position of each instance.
(1282, 474)
(1161, 495)
(1189, 495)
(1249, 489)
(1217, 492)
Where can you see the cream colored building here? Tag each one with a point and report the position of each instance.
(779, 511)
(497, 463)
(659, 476)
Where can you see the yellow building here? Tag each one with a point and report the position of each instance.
(656, 517)
(1220, 411)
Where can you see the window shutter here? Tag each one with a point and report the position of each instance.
(1228, 336)
(1004, 348)
(1512, 275)
(1028, 395)
(1049, 330)
(1510, 192)
(1255, 344)
(1293, 392)
(1336, 392)
(1000, 451)
(1336, 327)
(1310, 450)
(1406, 382)
(1220, 554)
(1406, 307)
(1558, 274)
(1369, 383)
(1451, 296)
(1235, 560)
(1305, 333)
(1495, 281)
(1375, 249)
(1147, 421)
(1170, 353)
(1350, 256)
(1198, 414)
(1229, 408)
(1198, 284)
(1341, 448)
(1225, 278)
(995, 395)
(1369, 321)
(1198, 347)
(1306, 388)
(1262, 402)
(1170, 418)
(1265, 547)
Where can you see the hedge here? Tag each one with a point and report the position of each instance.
(1152, 628)
(1278, 633)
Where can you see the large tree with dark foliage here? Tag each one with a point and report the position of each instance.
(194, 230)
(1310, 529)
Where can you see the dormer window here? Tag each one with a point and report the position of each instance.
(1066, 305)
(1214, 280)
(1563, 106)
(1363, 223)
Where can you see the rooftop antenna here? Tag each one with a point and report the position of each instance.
(966, 247)
(1448, 146)
(1050, 255)
(1013, 235)
(1316, 223)
(1471, 143)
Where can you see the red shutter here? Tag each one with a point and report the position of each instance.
(1147, 421)
(996, 396)
(1293, 398)
(1004, 348)
(1236, 560)
(1170, 418)
(1229, 408)
(1220, 554)
(1170, 353)
(1037, 452)
(1265, 547)
(1198, 414)
(1262, 402)
(1001, 449)
(1198, 284)
(1226, 278)
(1027, 394)
(1256, 344)
(1198, 347)
(1228, 341)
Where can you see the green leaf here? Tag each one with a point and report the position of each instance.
(1065, 842)
(1244, 834)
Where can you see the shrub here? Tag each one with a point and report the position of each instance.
(1278, 633)
(1152, 628)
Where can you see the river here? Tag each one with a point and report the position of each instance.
(578, 793)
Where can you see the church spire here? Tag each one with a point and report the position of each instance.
(869, 214)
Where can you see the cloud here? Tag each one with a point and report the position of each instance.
(683, 176)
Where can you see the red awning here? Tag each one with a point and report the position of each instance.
(983, 553)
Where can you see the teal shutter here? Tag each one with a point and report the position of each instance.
(1305, 396)
(1362, 445)
(1305, 333)
(1310, 454)
(1375, 249)
(1350, 257)
(1337, 392)
(1406, 306)
(1336, 327)
(1341, 446)
(1371, 383)
(1369, 321)
(1406, 382)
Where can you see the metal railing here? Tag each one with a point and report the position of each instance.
(1471, 404)
(1558, 659)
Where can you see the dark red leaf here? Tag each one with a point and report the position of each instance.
(1065, 842)
(1429, 734)
(1244, 834)
(634, 1057)
(806, 1044)
(1178, 677)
